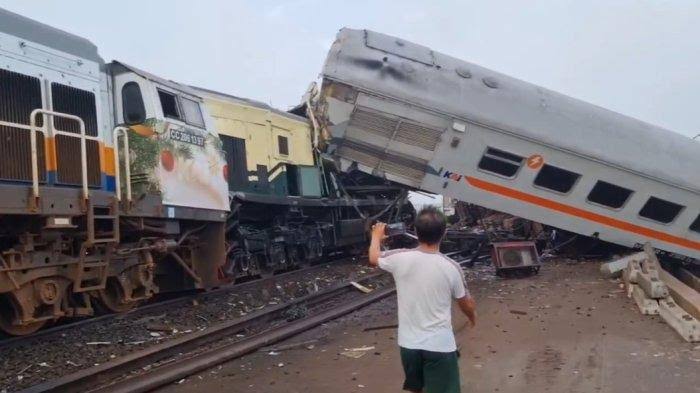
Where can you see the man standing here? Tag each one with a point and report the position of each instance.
(426, 283)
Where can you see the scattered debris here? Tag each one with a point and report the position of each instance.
(356, 353)
(160, 328)
(380, 327)
(360, 287)
(615, 268)
(518, 312)
(655, 291)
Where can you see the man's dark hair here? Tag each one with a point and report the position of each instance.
(430, 225)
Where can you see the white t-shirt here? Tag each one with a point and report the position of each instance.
(426, 283)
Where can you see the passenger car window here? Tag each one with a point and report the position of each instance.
(169, 104)
(134, 111)
(556, 179)
(610, 195)
(500, 162)
(695, 226)
(192, 112)
(660, 210)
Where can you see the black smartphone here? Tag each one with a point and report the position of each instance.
(397, 228)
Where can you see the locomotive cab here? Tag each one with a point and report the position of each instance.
(174, 150)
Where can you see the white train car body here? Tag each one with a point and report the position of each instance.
(429, 121)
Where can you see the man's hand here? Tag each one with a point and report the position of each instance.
(378, 235)
(379, 231)
(468, 307)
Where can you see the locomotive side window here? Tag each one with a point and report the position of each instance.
(81, 103)
(169, 104)
(610, 195)
(19, 96)
(500, 162)
(659, 210)
(192, 112)
(132, 103)
(283, 145)
(695, 226)
(556, 179)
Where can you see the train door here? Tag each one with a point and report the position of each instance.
(236, 163)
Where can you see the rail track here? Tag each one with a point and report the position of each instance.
(155, 306)
(175, 359)
(33, 360)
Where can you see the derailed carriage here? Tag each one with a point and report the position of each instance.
(403, 112)
(114, 185)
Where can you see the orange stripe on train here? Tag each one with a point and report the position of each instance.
(580, 213)
(107, 160)
(106, 157)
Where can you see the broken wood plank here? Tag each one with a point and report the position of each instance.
(682, 322)
(686, 297)
(689, 279)
(646, 305)
(360, 287)
(614, 269)
(652, 285)
(630, 273)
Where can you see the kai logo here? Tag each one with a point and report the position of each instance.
(452, 176)
(535, 161)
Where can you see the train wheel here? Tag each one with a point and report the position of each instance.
(293, 256)
(112, 298)
(9, 313)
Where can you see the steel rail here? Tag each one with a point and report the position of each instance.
(90, 378)
(183, 368)
(12, 342)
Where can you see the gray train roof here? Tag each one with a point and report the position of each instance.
(251, 102)
(115, 65)
(46, 35)
(413, 73)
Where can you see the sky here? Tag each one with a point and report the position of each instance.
(639, 58)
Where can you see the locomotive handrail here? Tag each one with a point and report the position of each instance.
(35, 159)
(117, 174)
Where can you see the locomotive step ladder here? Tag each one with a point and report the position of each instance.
(91, 270)
(102, 224)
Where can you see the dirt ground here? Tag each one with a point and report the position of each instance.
(564, 330)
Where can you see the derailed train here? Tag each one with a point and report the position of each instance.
(403, 112)
(116, 184)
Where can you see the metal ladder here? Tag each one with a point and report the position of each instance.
(108, 215)
(34, 201)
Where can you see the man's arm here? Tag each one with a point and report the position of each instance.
(468, 307)
(375, 245)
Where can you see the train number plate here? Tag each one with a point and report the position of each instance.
(187, 137)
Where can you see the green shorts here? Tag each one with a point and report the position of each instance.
(430, 372)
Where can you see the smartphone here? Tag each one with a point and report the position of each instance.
(397, 228)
